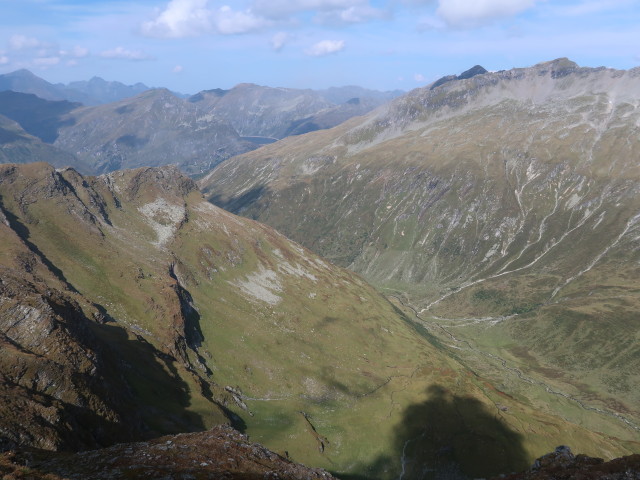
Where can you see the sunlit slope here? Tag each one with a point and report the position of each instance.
(510, 194)
(306, 356)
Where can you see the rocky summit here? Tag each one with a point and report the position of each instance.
(501, 209)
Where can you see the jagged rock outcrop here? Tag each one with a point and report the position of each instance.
(56, 384)
(221, 452)
(275, 113)
(562, 464)
(151, 129)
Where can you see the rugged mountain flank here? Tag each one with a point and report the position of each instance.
(24, 81)
(275, 113)
(504, 208)
(101, 91)
(188, 316)
(41, 118)
(92, 92)
(18, 146)
(220, 452)
(133, 126)
(154, 128)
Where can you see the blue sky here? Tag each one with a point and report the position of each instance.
(191, 45)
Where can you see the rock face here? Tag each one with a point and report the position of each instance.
(221, 452)
(257, 111)
(503, 207)
(132, 126)
(563, 464)
(55, 383)
(154, 128)
(131, 307)
(99, 91)
(41, 118)
(18, 146)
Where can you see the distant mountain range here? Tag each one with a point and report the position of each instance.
(92, 92)
(275, 113)
(18, 146)
(130, 126)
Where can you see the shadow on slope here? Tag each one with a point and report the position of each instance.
(448, 437)
(41, 118)
(237, 203)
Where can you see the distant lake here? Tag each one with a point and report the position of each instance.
(260, 140)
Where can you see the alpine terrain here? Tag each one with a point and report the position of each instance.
(498, 210)
(130, 307)
(109, 126)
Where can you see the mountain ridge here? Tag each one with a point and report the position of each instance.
(503, 208)
(235, 323)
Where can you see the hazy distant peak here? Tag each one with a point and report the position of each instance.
(157, 93)
(22, 73)
(558, 67)
(200, 96)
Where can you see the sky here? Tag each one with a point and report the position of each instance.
(193, 45)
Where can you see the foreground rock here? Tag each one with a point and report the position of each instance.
(221, 452)
(563, 464)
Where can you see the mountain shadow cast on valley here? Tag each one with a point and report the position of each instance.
(448, 437)
(23, 232)
(237, 203)
(149, 387)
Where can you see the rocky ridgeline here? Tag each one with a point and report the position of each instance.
(562, 464)
(219, 453)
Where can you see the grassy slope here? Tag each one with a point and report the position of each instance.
(367, 379)
(511, 207)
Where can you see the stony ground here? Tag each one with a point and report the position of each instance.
(564, 465)
(219, 453)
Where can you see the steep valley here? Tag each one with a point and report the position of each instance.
(131, 307)
(501, 212)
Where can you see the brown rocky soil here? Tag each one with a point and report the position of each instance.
(562, 464)
(219, 453)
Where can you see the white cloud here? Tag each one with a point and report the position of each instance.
(465, 13)
(279, 40)
(22, 42)
(181, 18)
(4, 59)
(228, 21)
(418, 77)
(188, 18)
(431, 24)
(325, 47)
(590, 7)
(177, 69)
(124, 54)
(80, 52)
(352, 14)
(327, 11)
(284, 8)
(75, 52)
